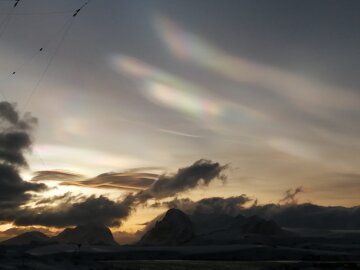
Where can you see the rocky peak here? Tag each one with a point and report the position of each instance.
(174, 229)
(90, 234)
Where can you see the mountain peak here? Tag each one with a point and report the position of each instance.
(174, 229)
(27, 238)
(89, 234)
(174, 213)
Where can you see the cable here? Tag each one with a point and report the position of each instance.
(47, 65)
(67, 26)
(16, 70)
(34, 55)
(42, 76)
(50, 61)
(4, 24)
(3, 27)
(39, 13)
(40, 50)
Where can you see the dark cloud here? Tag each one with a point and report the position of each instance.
(229, 206)
(201, 173)
(308, 215)
(290, 195)
(99, 210)
(63, 199)
(15, 135)
(13, 190)
(15, 139)
(8, 113)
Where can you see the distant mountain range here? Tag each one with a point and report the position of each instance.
(27, 239)
(173, 229)
(177, 228)
(81, 235)
(176, 235)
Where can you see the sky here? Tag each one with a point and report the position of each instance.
(269, 87)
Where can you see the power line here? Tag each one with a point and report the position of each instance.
(42, 76)
(65, 29)
(33, 56)
(38, 13)
(4, 24)
(40, 50)
(36, 53)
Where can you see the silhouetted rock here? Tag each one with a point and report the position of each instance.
(87, 235)
(174, 229)
(27, 238)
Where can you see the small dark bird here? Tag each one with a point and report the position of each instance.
(16, 3)
(76, 12)
(41, 49)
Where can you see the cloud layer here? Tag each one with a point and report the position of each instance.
(99, 210)
(70, 210)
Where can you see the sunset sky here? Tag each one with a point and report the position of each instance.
(269, 87)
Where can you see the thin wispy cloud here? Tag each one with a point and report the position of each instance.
(173, 132)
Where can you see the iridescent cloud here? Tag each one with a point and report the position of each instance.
(300, 90)
(169, 91)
